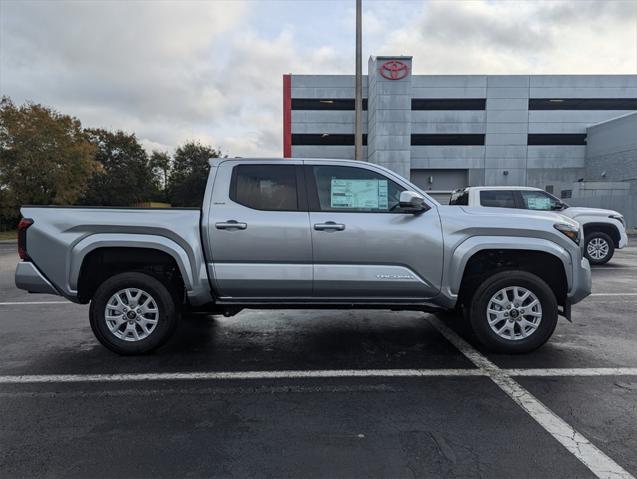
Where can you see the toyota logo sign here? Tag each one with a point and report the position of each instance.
(394, 70)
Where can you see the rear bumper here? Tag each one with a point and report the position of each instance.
(582, 282)
(29, 278)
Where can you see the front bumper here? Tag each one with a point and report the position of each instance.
(623, 239)
(582, 282)
(29, 278)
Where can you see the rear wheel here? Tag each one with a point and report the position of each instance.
(132, 313)
(598, 248)
(513, 312)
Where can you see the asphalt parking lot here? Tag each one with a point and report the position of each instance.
(319, 394)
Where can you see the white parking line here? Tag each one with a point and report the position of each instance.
(599, 463)
(613, 294)
(571, 372)
(309, 374)
(18, 303)
(211, 375)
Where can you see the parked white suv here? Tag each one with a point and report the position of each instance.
(604, 230)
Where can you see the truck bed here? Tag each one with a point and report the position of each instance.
(60, 237)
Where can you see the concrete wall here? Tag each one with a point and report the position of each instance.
(612, 150)
(618, 196)
(505, 159)
(389, 118)
(611, 164)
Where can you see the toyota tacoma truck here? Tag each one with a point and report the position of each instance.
(604, 230)
(274, 234)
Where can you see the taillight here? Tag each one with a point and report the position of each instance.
(22, 237)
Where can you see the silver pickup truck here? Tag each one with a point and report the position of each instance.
(306, 234)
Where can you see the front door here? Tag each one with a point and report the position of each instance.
(364, 246)
(260, 243)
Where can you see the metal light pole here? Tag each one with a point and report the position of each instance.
(358, 101)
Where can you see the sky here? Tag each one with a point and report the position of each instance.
(211, 71)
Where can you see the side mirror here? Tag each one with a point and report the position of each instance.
(412, 201)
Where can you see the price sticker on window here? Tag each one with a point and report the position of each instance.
(359, 194)
(538, 203)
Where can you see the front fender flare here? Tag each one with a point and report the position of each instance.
(454, 271)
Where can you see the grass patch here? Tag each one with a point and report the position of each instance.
(7, 235)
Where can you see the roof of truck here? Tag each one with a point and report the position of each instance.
(217, 161)
(499, 188)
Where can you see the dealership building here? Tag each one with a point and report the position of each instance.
(573, 135)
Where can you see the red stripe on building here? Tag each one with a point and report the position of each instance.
(287, 116)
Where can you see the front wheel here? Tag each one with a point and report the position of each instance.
(513, 312)
(132, 313)
(598, 248)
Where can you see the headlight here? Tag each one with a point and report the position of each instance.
(619, 218)
(568, 230)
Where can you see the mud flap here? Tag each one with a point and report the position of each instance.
(566, 310)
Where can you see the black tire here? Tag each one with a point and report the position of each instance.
(166, 315)
(599, 236)
(480, 302)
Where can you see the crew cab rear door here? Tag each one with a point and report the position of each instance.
(258, 231)
(364, 246)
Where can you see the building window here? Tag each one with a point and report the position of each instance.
(448, 103)
(557, 139)
(440, 139)
(566, 194)
(324, 139)
(583, 104)
(325, 103)
(265, 187)
(549, 189)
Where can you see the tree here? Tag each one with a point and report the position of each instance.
(126, 176)
(45, 157)
(189, 173)
(160, 164)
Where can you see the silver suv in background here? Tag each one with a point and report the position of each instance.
(305, 234)
(604, 230)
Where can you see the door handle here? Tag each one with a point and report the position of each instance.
(330, 225)
(231, 225)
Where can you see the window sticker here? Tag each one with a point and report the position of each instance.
(362, 194)
(538, 203)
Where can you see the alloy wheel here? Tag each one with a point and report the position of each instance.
(131, 314)
(514, 313)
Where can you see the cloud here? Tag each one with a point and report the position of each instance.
(520, 37)
(168, 71)
(211, 71)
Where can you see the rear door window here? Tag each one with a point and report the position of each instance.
(265, 187)
(498, 198)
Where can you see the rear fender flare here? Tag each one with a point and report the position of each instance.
(107, 240)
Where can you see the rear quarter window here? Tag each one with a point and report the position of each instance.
(459, 198)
